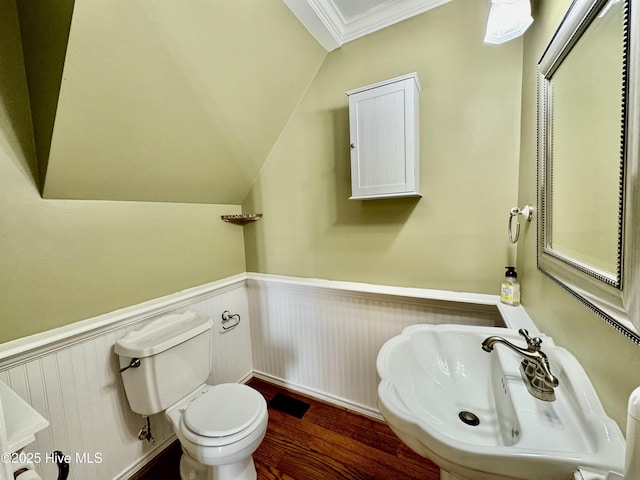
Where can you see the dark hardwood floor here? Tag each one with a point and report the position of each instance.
(327, 443)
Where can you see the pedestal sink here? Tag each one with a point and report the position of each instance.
(469, 411)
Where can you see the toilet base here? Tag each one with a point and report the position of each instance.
(191, 469)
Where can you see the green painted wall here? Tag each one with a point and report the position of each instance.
(611, 361)
(470, 121)
(63, 261)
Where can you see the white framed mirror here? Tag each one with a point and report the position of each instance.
(588, 182)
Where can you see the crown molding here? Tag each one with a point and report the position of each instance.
(323, 19)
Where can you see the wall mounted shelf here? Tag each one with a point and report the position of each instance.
(242, 219)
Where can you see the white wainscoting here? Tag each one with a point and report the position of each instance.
(322, 338)
(316, 336)
(70, 375)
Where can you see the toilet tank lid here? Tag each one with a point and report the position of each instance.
(163, 333)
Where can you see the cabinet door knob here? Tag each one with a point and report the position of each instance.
(353, 145)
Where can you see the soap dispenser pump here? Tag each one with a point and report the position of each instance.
(510, 290)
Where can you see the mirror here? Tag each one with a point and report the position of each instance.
(588, 160)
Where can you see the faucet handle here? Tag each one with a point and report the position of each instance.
(533, 343)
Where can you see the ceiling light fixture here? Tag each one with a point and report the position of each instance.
(508, 19)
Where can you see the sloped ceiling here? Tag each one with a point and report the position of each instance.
(175, 101)
(162, 101)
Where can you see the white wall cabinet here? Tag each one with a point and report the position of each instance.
(384, 128)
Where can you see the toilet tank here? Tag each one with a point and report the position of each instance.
(175, 358)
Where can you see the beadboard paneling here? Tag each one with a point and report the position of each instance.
(315, 336)
(76, 385)
(324, 341)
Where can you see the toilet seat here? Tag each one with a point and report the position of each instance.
(223, 410)
(222, 415)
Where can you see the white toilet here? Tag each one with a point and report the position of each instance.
(164, 366)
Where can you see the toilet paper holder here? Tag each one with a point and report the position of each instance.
(26, 471)
(229, 321)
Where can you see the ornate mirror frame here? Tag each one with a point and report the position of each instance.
(614, 296)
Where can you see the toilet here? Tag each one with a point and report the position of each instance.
(164, 367)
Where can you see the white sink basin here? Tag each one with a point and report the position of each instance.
(430, 374)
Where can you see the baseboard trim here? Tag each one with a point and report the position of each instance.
(134, 470)
(247, 378)
(322, 396)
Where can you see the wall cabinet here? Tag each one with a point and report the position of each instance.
(385, 139)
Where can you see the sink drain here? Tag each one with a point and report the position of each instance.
(469, 418)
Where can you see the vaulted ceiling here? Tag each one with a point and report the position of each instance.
(171, 101)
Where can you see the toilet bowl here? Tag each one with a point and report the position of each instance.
(164, 366)
(219, 427)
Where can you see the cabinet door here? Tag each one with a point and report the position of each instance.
(384, 150)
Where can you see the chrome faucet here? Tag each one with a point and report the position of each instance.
(534, 368)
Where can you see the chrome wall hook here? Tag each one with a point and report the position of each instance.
(526, 212)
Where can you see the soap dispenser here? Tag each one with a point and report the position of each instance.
(510, 291)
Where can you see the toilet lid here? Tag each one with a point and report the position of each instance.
(225, 409)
